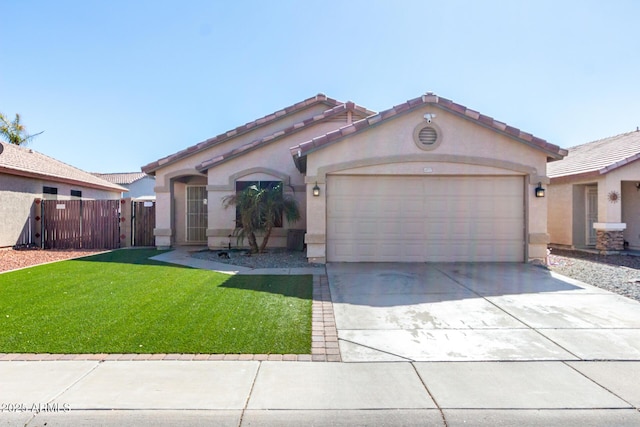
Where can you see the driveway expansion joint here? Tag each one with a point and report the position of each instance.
(637, 408)
(444, 418)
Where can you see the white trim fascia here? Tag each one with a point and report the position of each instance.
(610, 226)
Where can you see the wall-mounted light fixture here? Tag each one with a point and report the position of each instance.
(539, 190)
(316, 190)
(637, 186)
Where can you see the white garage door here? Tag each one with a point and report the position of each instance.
(417, 219)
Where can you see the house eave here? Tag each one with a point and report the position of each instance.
(596, 172)
(565, 179)
(267, 140)
(621, 163)
(553, 152)
(63, 180)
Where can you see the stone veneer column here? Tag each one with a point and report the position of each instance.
(609, 236)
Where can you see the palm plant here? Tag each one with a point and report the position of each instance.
(246, 202)
(14, 131)
(260, 210)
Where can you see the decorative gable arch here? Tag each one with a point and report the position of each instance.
(429, 157)
(165, 185)
(231, 185)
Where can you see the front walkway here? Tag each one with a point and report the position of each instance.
(182, 256)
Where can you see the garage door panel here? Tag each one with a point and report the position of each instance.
(389, 249)
(413, 250)
(388, 229)
(414, 205)
(413, 229)
(345, 205)
(377, 218)
(340, 227)
(459, 228)
(353, 251)
(363, 249)
(479, 252)
(363, 227)
(502, 231)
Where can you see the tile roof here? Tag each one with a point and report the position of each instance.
(121, 178)
(300, 151)
(247, 127)
(598, 157)
(357, 111)
(16, 160)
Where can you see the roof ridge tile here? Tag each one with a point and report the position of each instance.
(429, 98)
(338, 109)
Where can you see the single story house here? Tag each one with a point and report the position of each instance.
(139, 185)
(426, 180)
(594, 196)
(26, 175)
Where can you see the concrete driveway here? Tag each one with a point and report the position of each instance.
(477, 312)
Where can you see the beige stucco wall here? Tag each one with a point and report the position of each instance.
(628, 210)
(631, 213)
(567, 205)
(140, 188)
(17, 195)
(560, 219)
(270, 162)
(16, 202)
(464, 148)
(614, 181)
(567, 211)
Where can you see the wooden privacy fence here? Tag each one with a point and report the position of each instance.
(80, 224)
(143, 221)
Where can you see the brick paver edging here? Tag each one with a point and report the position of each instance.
(324, 340)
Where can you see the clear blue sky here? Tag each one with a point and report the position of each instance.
(116, 84)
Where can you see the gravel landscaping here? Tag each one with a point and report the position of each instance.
(273, 258)
(11, 259)
(615, 273)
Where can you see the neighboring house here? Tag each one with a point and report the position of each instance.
(26, 175)
(427, 180)
(139, 185)
(594, 196)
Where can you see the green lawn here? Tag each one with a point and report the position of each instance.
(122, 302)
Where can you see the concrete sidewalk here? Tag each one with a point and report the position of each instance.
(298, 393)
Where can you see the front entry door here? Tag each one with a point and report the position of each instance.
(591, 204)
(197, 213)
